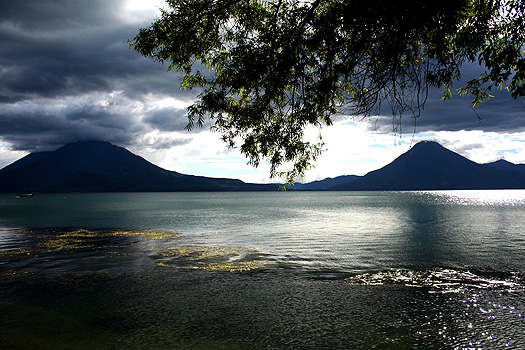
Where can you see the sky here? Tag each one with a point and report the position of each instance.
(67, 74)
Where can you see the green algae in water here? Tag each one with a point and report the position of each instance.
(76, 248)
(79, 238)
(80, 233)
(74, 243)
(212, 258)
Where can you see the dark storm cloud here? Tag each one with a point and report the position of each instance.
(50, 49)
(55, 48)
(504, 116)
(34, 128)
(501, 113)
(56, 15)
(167, 119)
(167, 144)
(59, 58)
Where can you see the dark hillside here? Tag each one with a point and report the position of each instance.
(430, 166)
(94, 166)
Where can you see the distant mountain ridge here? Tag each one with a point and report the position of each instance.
(325, 184)
(430, 166)
(506, 165)
(96, 166)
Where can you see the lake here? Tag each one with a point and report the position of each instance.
(263, 270)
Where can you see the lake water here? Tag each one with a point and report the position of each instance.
(270, 270)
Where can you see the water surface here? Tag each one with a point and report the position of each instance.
(279, 270)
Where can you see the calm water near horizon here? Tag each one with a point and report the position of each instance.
(263, 270)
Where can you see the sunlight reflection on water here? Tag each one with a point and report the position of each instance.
(479, 197)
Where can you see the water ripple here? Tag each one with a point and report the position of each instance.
(443, 280)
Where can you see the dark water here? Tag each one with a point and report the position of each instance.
(341, 270)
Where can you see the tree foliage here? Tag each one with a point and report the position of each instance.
(267, 69)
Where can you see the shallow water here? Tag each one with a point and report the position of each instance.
(286, 270)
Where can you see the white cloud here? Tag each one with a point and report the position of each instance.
(207, 155)
(352, 149)
(7, 155)
(485, 147)
(141, 11)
